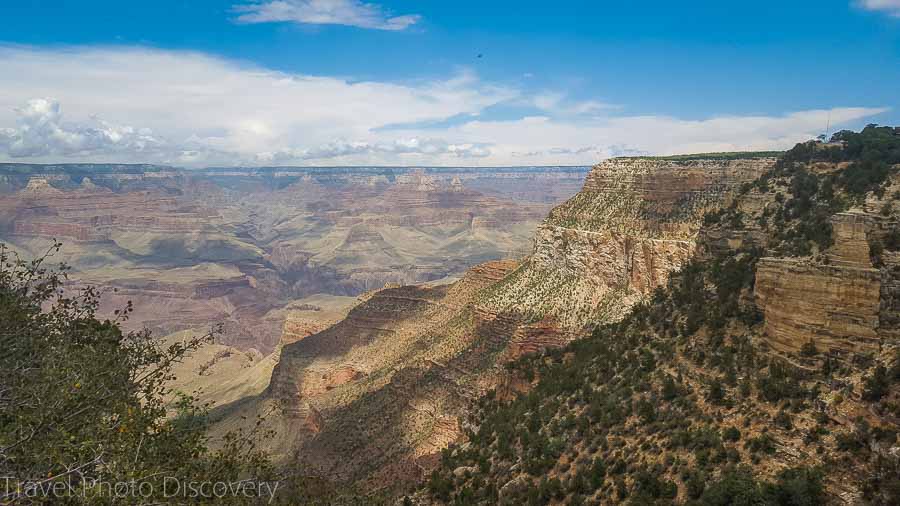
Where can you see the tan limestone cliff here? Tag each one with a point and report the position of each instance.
(834, 307)
(833, 303)
(635, 221)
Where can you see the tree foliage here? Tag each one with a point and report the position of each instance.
(82, 401)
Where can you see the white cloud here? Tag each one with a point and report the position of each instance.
(428, 147)
(188, 108)
(558, 104)
(544, 140)
(324, 12)
(890, 7)
(224, 110)
(40, 132)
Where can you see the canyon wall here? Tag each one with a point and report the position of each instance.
(834, 307)
(635, 221)
(840, 302)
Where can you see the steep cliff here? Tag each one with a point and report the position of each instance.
(833, 305)
(635, 221)
(380, 393)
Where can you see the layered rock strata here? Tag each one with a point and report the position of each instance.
(834, 307)
(635, 221)
(389, 382)
(193, 248)
(840, 302)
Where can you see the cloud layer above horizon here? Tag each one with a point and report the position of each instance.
(323, 12)
(133, 104)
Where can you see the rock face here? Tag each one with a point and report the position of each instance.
(701, 338)
(635, 221)
(834, 307)
(851, 232)
(375, 397)
(388, 383)
(842, 303)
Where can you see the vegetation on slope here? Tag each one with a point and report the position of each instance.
(679, 402)
(675, 403)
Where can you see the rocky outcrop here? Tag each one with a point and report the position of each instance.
(850, 232)
(89, 213)
(653, 196)
(61, 231)
(834, 307)
(536, 337)
(296, 329)
(833, 303)
(389, 382)
(220, 288)
(40, 185)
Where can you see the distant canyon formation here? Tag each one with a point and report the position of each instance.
(192, 248)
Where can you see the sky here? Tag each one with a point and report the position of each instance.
(461, 83)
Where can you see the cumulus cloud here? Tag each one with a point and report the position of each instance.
(324, 12)
(40, 131)
(216, 112)
(222, 112)
(890, 7)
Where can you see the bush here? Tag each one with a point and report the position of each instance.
(793, 487)
(892, 240)
(876, 250)
(876, 385)
(731, 434)
(797, 487)
(761, 444)
(716, 392)
(783, 381)
(734, 487)
(809, 349)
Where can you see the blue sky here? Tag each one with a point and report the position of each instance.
(324, 82)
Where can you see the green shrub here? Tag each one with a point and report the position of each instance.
(731, 434)
(876, 385)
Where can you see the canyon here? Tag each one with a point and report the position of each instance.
(394, 329)
(246, 247)
(373, 399)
